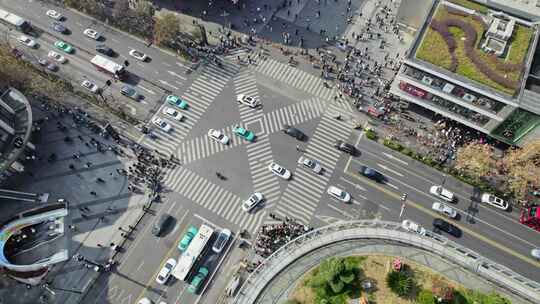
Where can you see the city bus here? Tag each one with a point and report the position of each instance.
(19, 23)
(109, 67)
(189, 258)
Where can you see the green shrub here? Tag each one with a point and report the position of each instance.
(393, 145)
(400, 282)
(425, 296)
(291, 301)
(370, 134)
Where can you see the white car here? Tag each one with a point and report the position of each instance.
(442, 193)
(339, 194)
(279, 171)
(444, 210)
(173, 113)
(161, 124)
(310, 164)
(57, 57)
(252, 201)
(221, 240)
(92, 34)
(27, 41)
(535, 253)
(247, 100)
(218, 136)
(138, 55)
(165, 272)
(90, 86)
(54, 14)
(413, 227)
(495, 201)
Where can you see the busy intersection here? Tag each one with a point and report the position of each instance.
(245, 151)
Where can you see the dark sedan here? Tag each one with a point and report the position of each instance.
(294, 132)
(345, 147)
(371, 173)
(445, 226)
(105, 50)
(58, 27)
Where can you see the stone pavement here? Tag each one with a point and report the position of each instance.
(93, 219)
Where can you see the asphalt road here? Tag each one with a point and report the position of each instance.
(193, 194)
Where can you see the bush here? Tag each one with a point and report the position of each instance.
(370, 134)
(425, 297)
(393, 145)
(292, 301)
(400, 282)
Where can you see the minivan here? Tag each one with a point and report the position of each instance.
(161, 224)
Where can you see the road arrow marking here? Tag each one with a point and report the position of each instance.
(390, 170)
(395, 158)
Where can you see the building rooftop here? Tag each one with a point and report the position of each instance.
(452, 39)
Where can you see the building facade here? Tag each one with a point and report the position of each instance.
(476, 65)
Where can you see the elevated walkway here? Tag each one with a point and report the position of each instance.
(24, 196)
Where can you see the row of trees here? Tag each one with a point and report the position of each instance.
(139, 21)
(517, 172)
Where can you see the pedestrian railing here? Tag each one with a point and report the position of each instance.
(255, 285)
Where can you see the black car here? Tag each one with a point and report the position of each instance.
(446, 227)
(345, 147)
(371, 173)
(105, 50)
(161, 224)
(294, 132)
(58, 27)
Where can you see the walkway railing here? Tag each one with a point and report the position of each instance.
(256, 283)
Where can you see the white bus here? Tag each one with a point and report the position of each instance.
(19, 23)
(108, 66)
(189, 258)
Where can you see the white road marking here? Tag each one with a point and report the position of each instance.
(181, 293)
(179, 64)
(393, 186)
(147, 90)
(339, 211)
(354, 185)
(177, 75)
(395, 158)
(390, 170)
(207, 221)
(114, 40)
(384, 207)
(140, 64)
(168, 84)
(79, 24)
(164, 63)
(140, 266)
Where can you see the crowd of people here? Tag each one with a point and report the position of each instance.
(271, 237)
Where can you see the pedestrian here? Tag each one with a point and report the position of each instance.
(99, 245)
(93, 193)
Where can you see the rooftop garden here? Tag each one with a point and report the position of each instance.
(452, 41)
(382, 279)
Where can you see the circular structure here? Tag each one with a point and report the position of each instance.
(274, 278)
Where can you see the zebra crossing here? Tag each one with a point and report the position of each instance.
(305, 190)
(293, 114)
(202, 147)
(245, 83)
(294, 77)
(199, 96)
(259, 157)
(214, 198)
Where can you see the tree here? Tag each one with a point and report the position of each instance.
(166, 28)
(476, 160)
(400, 282)
(521, 166)
(333, 280)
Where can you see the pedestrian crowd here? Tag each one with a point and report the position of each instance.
(271, 237)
